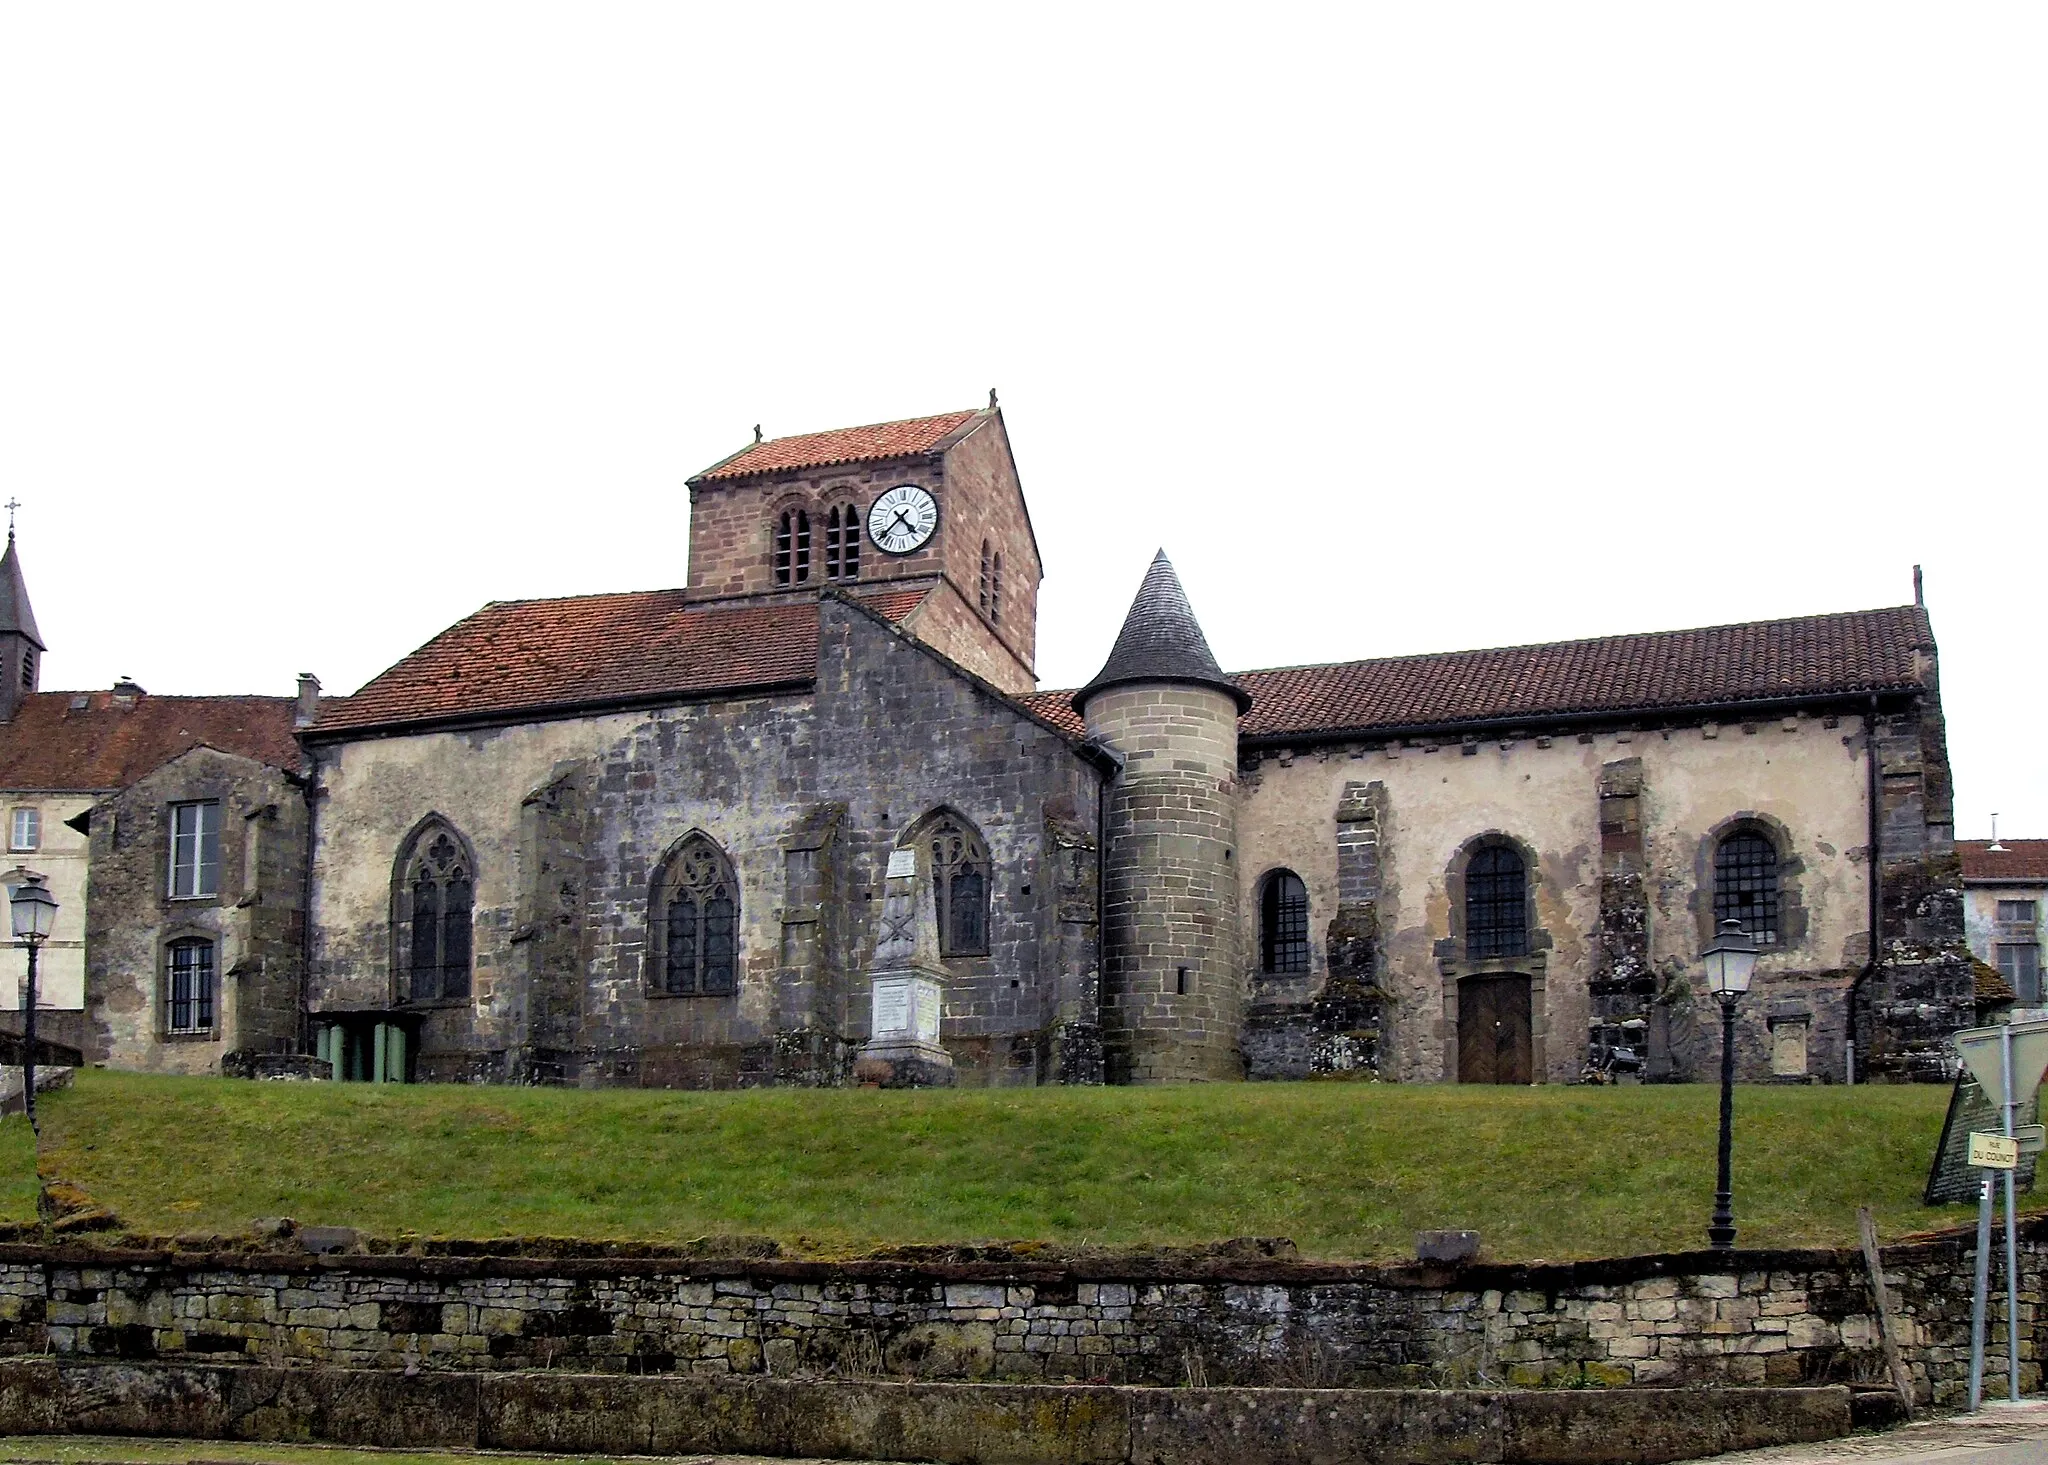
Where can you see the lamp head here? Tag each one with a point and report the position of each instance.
(1730, 959)
(32, 906)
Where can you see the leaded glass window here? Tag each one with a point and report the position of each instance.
(960, 881)
(1496, 904)
(1746, 884)
(699, 922)
(1283, 925)
(439, 888)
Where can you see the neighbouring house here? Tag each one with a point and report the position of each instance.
(2005, 884)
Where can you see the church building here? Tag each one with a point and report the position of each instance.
(809, 820)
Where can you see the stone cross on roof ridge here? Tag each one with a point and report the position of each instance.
(1161, 641)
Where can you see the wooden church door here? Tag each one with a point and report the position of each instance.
(1493, 1031)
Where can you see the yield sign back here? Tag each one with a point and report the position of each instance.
(1979, 1047)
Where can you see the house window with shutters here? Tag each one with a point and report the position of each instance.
(433, 899)
(696, 922)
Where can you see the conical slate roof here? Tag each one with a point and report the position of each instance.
(15, 612)
(1161, 642)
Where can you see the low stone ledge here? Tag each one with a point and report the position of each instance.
(961, 1424)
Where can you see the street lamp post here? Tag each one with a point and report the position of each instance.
(1730, 958)
(34, 911)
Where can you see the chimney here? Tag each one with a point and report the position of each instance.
(126, 691)
(309, 700)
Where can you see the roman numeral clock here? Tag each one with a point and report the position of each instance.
(902, 520)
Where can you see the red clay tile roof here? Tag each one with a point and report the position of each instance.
(2021, 859)
(518, 656)
(1808, 657)
(876, 441)
(49, 744)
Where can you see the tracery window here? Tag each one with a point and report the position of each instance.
(960, 881)
(189, 986)
(793, 547)
(842, 543)
(1746, 884)
(1496, 903)
(697, 918)
(434, 900)
(1283, 924)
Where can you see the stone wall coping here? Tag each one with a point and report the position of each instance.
(1475, 1276)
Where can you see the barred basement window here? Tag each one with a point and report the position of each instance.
(1496, 904)
(189, 986)
(960, 882)
(1283, 925)
(1746, 884)
(697, 916)
(842, 543)
(793, 547)
(195, 851)
(436, 893)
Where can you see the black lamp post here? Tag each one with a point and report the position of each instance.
(35, 912)
(1730, 958)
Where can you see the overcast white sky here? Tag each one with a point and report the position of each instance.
(1403, 328)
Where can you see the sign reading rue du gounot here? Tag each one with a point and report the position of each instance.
(1993, 1151)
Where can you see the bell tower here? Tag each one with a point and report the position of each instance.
(1172, 988)
(21, 644)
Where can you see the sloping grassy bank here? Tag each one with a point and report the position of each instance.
(1347, 1170)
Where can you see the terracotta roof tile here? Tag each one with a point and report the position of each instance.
(1807, 657)
(2021, 859)
(533, 655)
(52, 744)
(873, 443)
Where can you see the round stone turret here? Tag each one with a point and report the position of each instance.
(1172, 980)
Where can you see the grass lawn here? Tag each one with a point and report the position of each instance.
(1347, 1170)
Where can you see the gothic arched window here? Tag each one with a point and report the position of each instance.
(1496, 903)
(1283, 924)
(960, 883)
(435, 891)
(696, 922)
(1746, 884)
(793, 547)
(842, 543)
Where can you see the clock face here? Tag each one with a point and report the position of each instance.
(903, 519)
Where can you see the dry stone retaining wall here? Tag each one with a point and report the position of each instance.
(1769, 1318)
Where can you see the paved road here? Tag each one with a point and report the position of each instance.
(2003, 1434)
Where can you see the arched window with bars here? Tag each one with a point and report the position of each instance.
(695, 922)
(1496, 903)
(1746, 883)
(793, 547)
(432, 898)
(842, 543)
(1283, 924)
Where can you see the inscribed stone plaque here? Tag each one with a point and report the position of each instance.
(902, 864)
(892, 1005)
(927, 1006)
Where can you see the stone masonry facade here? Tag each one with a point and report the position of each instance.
(1780, 1318)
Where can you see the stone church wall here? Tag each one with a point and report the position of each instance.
(1621, 824)
(806, 795)
(255, 920)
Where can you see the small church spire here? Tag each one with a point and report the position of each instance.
(21, 644)
(1162, 642)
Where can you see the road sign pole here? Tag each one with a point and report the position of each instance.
(1983, 1288)
(2012, 1246)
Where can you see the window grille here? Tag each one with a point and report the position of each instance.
(793, 547)
(2020, 965)
(188, 976)
(960, 880)
(442, 887)
(1496, 904)
(26, 832)
(195, 850)
(842, 543)
(700, 919)
(1283, 925)
(1746, 885)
